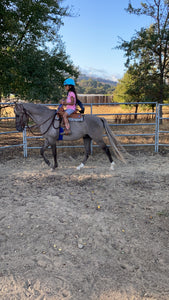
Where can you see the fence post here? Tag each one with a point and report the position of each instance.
(25, 154)
(91, 145)
(157, 127)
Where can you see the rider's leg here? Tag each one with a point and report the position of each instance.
(65, 118)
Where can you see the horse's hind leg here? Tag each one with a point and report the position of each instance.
(107, 151)
(105, 148)
(87, 145)
(42, 150)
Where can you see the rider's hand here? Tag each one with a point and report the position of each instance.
(62, 101)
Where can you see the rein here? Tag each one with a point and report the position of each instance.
(36, 126)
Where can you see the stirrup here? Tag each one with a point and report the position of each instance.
(66, 132)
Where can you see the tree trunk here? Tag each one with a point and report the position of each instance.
(161, 96)
(136, 109)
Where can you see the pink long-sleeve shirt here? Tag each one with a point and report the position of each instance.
(71, 94)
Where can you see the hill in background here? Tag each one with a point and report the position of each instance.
(99, 79)
(94, 85)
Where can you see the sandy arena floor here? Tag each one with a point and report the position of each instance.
(93, 234)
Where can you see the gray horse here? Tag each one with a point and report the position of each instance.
(90, 128)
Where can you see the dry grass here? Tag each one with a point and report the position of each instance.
(96, 109)
(103, 109)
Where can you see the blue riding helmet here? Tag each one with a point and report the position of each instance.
(69, 81)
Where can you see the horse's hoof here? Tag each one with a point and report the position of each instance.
(112, 166)
(80, 166)
(53, 168)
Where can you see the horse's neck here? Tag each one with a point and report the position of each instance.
(36, 114)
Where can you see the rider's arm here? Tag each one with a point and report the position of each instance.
(64, 102)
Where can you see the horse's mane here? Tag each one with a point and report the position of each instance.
(37, 107)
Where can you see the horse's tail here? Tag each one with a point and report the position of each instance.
(117, 147)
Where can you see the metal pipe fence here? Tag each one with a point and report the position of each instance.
(118, 123)
(160, 133)
(4, 104)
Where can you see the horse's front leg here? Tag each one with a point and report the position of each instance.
(87, 144)
(54, 152)
(42, 150)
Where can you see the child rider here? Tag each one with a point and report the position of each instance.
(70, 103)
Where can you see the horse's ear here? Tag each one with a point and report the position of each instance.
(19, 107)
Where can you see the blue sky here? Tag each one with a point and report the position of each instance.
(90, 37)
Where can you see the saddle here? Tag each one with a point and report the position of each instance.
(75, 116)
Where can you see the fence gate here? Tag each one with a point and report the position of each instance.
(161, 126)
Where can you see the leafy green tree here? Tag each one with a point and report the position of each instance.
(128, 91)
(136, 86)
(28, 66)
(148, 49)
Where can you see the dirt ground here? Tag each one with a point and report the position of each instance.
(93, 234)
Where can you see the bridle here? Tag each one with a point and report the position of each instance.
(36, 126)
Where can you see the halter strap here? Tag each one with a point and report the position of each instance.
(36, 126)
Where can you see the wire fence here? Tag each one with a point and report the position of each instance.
(121, 123)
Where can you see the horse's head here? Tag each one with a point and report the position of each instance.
(21, 116)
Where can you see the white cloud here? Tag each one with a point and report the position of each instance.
(93, 72)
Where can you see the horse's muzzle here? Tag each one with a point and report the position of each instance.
(19, 123)
(19, 128)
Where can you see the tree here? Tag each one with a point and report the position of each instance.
(129, 90)
(149, 47)
(28, 66)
